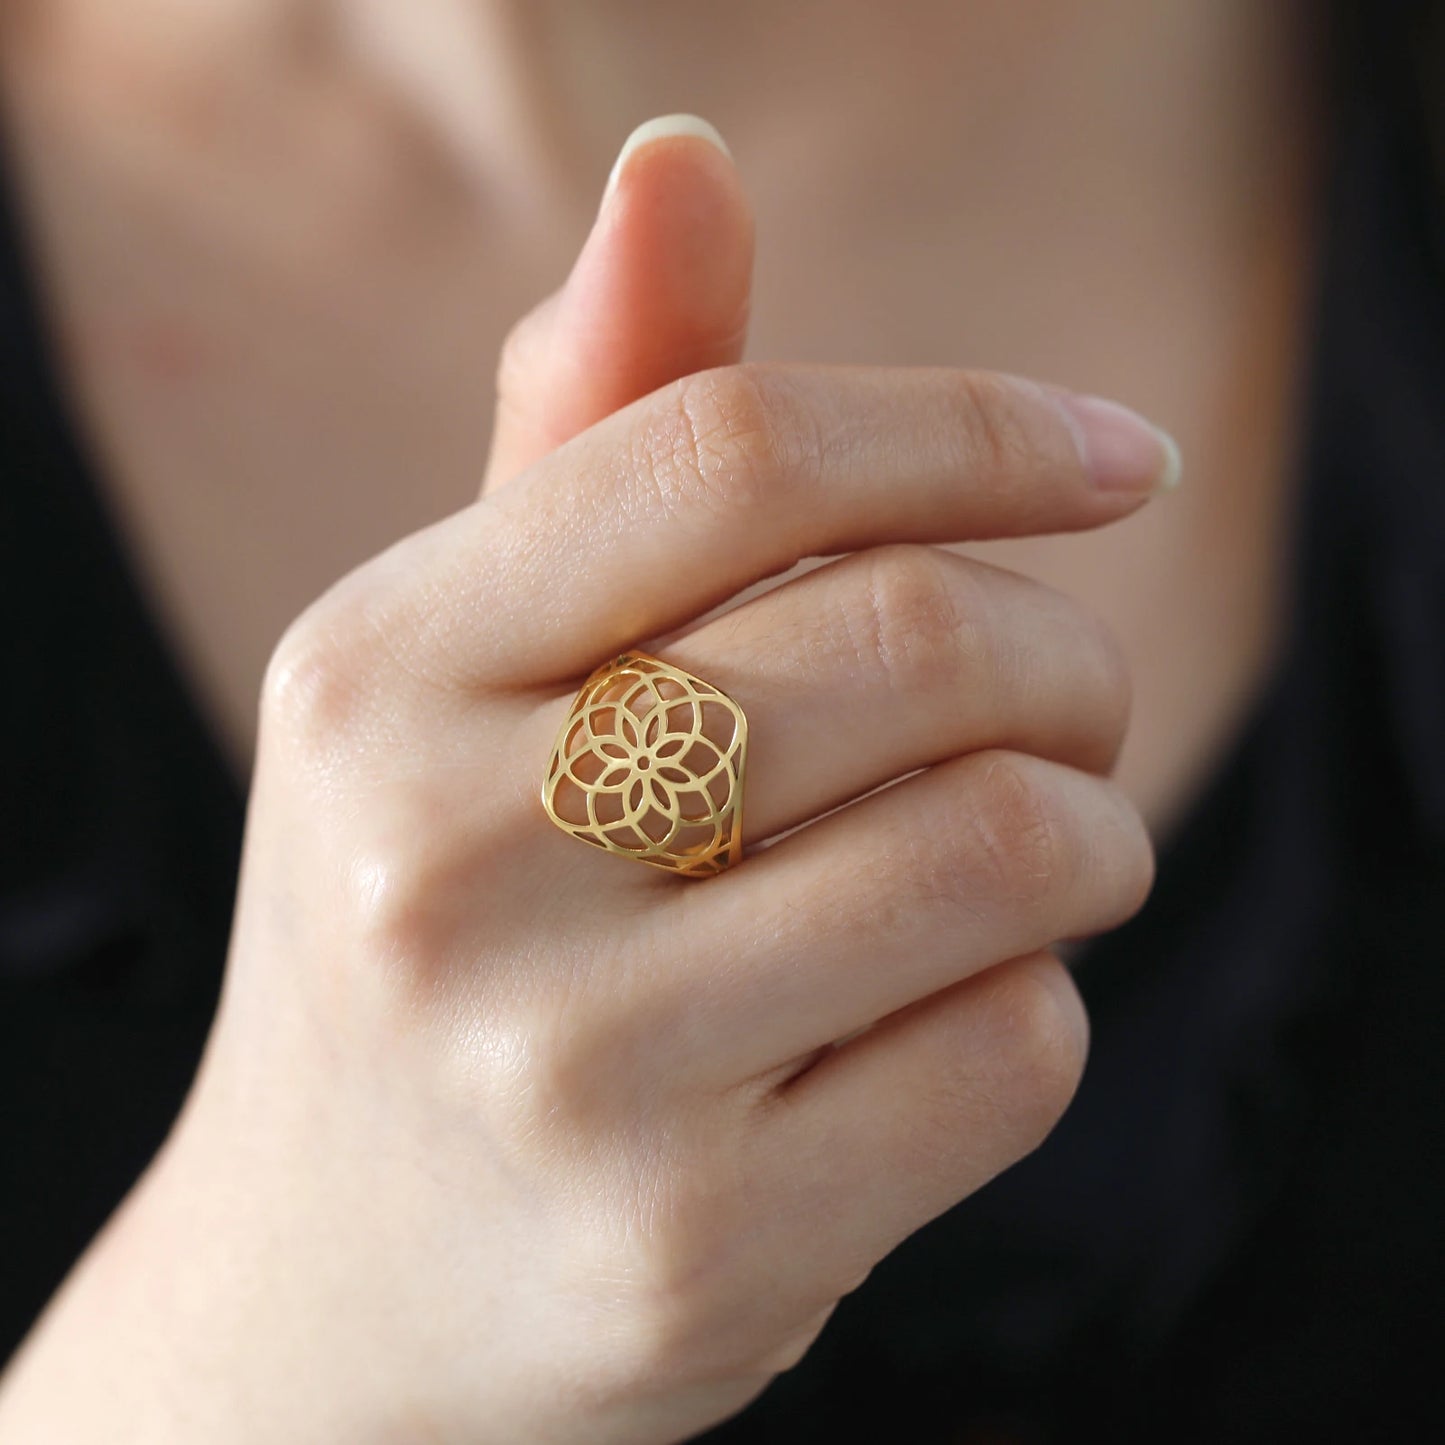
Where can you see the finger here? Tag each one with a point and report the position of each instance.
(660, 289)
(921, 1111)
(985, 857)
(679, 501)
(894, 658)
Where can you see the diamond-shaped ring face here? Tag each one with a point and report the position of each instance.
(649, 764)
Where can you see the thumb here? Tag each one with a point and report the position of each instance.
(661, 289)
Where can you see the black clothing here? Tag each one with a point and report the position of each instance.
(1236, 1232)
(119, 842)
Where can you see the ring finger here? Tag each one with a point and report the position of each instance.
(894, 658)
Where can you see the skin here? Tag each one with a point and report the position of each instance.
(461, 1164)
(498, 1170)
(245, 254)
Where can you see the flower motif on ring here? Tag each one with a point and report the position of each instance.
(640, 752)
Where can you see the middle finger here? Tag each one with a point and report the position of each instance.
(892, 659)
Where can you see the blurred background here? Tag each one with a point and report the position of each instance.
(257, 262)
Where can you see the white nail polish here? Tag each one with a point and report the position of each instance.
(660, 128)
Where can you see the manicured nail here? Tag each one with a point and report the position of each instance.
(1121, 451)
(662, 127)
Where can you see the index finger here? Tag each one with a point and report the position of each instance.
(675, 503)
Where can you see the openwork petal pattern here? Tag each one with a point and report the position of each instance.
(649, 764)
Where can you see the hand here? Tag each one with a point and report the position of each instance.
(500, 1138)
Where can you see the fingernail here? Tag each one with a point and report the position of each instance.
(1121, 451)
(662, 127)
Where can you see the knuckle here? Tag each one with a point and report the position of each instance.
(349, 670)
(721, 440)
(1023, 1043)
(1018, 842)
(913, 617)
(1046, 1039)
(386, 955)
(396, 893)
(994, 427)
(1127, 864)
(574, 1073)
(314, 687)
(553, 1088)
(407, 862)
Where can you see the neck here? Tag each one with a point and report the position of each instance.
(1052, 163)
(1018, 116)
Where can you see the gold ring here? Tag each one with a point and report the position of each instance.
(649, 765)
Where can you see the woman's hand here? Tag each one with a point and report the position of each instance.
(500, 1138)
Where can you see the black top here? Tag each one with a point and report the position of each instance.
(1235, 1233)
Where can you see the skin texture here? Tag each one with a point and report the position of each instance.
(499, 1138)
(283, 241)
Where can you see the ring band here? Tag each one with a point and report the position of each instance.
(649, 765)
